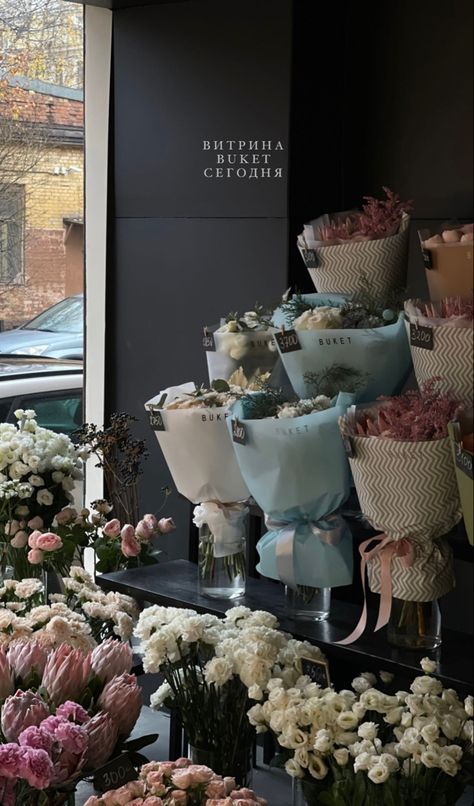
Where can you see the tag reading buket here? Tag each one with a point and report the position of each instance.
(421, 336)
(115, 774)
(208, 342)
(156, 421)
(310, 258)
(317, 671)
(427, 259)
(464, 461)
(288, 341)
(238, 432)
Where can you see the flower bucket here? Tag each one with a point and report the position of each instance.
(448, 267)
(339, 268)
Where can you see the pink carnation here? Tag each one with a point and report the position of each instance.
(36, 737)
(73, 712)
(37, 767)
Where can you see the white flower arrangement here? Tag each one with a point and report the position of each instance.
(300, 407)
(412, 741)
(50, 625)
(21, 595)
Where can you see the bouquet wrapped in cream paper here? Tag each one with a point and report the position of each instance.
(190, 426)
(330, 343)
(442, 343)
(400, 457)
(339, 250)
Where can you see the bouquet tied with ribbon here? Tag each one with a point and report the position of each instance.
(401, 464)
(296, 469)
(330, 343)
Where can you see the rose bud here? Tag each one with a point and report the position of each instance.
(166, 525)
(112, 528)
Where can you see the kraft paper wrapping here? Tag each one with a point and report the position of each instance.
(383, 262)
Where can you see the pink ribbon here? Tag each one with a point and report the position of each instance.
(387, 549)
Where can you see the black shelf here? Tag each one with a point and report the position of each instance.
(175, 584)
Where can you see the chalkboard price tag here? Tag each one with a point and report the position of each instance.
(421, 336)
(115, 774)
(464, 461)
(288, 341)
(348, 446)
(156, 420)
(427, 259)
(310, 258)
(239, 434)
(317, 671)
(208, 342)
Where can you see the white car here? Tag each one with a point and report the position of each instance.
(52, 387)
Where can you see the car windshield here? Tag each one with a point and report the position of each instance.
(65, 317)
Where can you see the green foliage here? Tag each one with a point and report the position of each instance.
(263, 404)
(332, 380)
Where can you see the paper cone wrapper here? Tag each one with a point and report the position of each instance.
(430, 577)
(198, 450)
(405, 489)
(449, 268)
(451, 359)
(463, 465)
(254, 352)
(339, 268)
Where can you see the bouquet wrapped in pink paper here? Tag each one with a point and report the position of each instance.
(177, 783)
(442, 343)
(373, 242)
(400, 457)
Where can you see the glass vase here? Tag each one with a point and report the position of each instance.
(305, 602)
(220, 577)
(414, 625)
(240, 767)
(305, 793)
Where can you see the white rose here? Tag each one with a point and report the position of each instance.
(36, 481)
(393, 716)
(386, 677)
(323, 741)
(347, 720)
(255, 693)
(468, 731)
(429, 666)
(360, 684)
(469, 705)
(451, 726)
(454, 750)
(368, 730)
(426, 685)
(44, 497)
(372, 699)
(293, 737)
(67, 483)
(430, 733)
(317, 768)
(157, 699)
(293, 768)
(379, 773)
(448, 765)
(302, 757)
(363, 761)
(359, 710)
(430, 758)
(390, 761)
(319, 319)
(341, 756)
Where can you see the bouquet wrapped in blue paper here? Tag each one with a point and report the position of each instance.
(330, 343)
(293, 460)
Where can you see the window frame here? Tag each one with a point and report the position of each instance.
(15, 216)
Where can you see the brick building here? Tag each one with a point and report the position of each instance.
(41, 211)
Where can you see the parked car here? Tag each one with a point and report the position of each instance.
(51, 387)
(57, 332)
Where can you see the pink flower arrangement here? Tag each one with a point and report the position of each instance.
(414, 416)
(133, 538)
(178, 783)
(379, 218)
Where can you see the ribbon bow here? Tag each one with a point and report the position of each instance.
(386, 549)
(329, 530)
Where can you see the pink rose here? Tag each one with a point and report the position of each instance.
(65, 516)
(216, 789)
(19, 541)
(152, 801)
(33, 538)
(194, 774)
(143, 531)
(36, 523)
(166, 525)
(129, 544)
(49, 542)
(151, 522)
(180, 798)
(112, 528)
(11, 528)
(35, 557)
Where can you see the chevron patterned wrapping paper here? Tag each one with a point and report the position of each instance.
(383, 262)
(451, 359)
(430, 577)
(405, 489)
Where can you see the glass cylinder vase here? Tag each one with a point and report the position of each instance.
(305, 602)
(305, 792)
(239, 767)
(221, 577)
(415, 625)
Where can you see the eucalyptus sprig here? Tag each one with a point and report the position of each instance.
(263, 404)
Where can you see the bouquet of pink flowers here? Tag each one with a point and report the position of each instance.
(178, 783)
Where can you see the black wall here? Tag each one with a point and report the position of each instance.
(360, 94)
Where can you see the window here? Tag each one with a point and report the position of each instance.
(12, 216)
(61, 413)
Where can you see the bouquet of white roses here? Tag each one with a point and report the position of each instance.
(213, 668)
(368, 747)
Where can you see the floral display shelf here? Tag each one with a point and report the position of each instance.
(175, 584)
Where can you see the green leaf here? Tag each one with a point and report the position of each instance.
(142, 741)
(220, 385)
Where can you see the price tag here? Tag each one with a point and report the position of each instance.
(156, 420)
(208, 342)
(115, 774)
(239, 434)
(348, 446)
(317, 671)
(464, 461)
(288, 341)
(427, 259)
(310, 258)
(421, 336)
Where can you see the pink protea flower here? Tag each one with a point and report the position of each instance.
(27, 657)
(103, 736)
(66, 674)
(111, 659)
(6, 682)
(19, 712)
(122, 699)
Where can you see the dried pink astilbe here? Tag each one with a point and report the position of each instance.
(379, 218)
(414, 416)
(448, 308)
